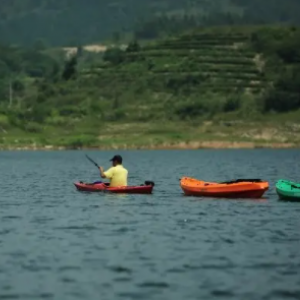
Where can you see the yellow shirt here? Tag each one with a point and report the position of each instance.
(117, 176)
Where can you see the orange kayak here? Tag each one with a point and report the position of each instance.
(240, 188)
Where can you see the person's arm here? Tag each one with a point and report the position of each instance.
(108, 174)
(102, 172)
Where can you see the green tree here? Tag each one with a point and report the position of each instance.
(285, 93)
(70, 69)
(114, 55)
(133, 46)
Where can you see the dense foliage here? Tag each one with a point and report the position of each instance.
(247, 71)
(72, 22)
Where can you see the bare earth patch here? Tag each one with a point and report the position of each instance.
(91, 48)
(96, 48)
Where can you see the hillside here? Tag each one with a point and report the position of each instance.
(73, 22)
(194, 72)
(230, 84)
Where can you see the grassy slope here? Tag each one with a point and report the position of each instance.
(222, 65)
(211, 134)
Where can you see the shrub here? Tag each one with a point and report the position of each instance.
(114, 55)
(32, 127)
(232, 104)
(80, 141)
(189, 110)
(4, 122)
(285, 93)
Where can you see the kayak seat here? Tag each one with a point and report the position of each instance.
(97, 182)
(295, 187)
(241, 180)
(92, 183)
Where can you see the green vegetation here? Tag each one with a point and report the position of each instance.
(223, 83)
(72, 22)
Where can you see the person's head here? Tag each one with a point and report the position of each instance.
(117, 160)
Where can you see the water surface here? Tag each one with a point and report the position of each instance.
(57, 243)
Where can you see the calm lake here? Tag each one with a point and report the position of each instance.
(58, 243)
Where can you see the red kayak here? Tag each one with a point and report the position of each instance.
(104, 187)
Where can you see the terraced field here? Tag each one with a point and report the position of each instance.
(216, 62)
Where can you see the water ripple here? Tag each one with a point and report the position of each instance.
(57, 243)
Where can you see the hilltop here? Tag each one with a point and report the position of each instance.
(220, 87)
(78, 22)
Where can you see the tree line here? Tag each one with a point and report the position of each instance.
(72, 22)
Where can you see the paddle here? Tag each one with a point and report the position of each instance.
(93, 162)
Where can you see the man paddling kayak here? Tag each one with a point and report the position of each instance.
(117, 174)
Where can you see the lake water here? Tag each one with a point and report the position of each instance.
(57, 243)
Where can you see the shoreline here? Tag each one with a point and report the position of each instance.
(164, 146)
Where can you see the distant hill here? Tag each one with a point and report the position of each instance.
(71, 22)
(155, 92)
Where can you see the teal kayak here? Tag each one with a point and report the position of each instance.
(288, 190)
